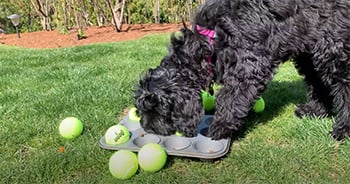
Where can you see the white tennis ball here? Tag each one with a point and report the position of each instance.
(117, 134)
(123, 164)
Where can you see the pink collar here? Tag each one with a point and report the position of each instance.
(210, 34)
(206, 32)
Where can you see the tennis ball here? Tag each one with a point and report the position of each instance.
(70, 128)
(208, 101)
(217, 87)
(133, 115)
(117, 134)
(259, 105)
(123, 164)
(179, 134)
(152, 157)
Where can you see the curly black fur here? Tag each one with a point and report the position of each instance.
(168, 97)
(253, 37)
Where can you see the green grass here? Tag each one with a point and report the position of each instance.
(38, 88)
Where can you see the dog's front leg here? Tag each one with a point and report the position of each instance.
(242, 85)
(187, 112)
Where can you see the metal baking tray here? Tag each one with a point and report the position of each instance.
(199, 146)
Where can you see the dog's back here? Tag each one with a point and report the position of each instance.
(253, 37)
(284, 28)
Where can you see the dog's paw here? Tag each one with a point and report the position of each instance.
(189, 134)
(307, 110)
(300, 111)
(340, 134)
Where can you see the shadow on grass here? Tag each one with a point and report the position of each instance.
(277, 96)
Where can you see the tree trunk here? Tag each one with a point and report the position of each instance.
(114, 22)
(48, 12)
(43, 9)
(99, 18)
(76, 14)
(189, 9)
(65, 22)
(119, 12)
(156, 12)
(172, 10)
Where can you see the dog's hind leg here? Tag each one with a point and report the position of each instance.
(341, 128)
(332, 64)
(319, 100)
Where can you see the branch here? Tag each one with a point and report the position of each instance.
(39, 8)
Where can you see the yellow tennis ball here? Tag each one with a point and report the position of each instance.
(216, 88)
(152, 157)
(117, 134)
(133, 115)
(259, 105)
(179, 134)
(70, 128)
(123, 164)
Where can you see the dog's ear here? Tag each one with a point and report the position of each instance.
(184, 28)
(147, 102)
(149, 92)
(186, 31)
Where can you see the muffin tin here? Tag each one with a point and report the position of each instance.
(199, 146)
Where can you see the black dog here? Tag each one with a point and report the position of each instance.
(168, 97)
(253, 37)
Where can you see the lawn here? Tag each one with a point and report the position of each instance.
(39, 88)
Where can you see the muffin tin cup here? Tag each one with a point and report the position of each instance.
(146, 139)
(176, 143)
(132, 126)
(199, 146)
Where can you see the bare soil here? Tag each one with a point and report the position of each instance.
(54, 39)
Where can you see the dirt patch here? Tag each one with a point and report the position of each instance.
(54, 39)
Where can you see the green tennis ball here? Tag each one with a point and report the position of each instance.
(208, 101)
(70, 128)
(152, 157)
(117, 134)
(123, 164)
(217, 87)
(259, 105)
(133, 115)
(179, 134)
